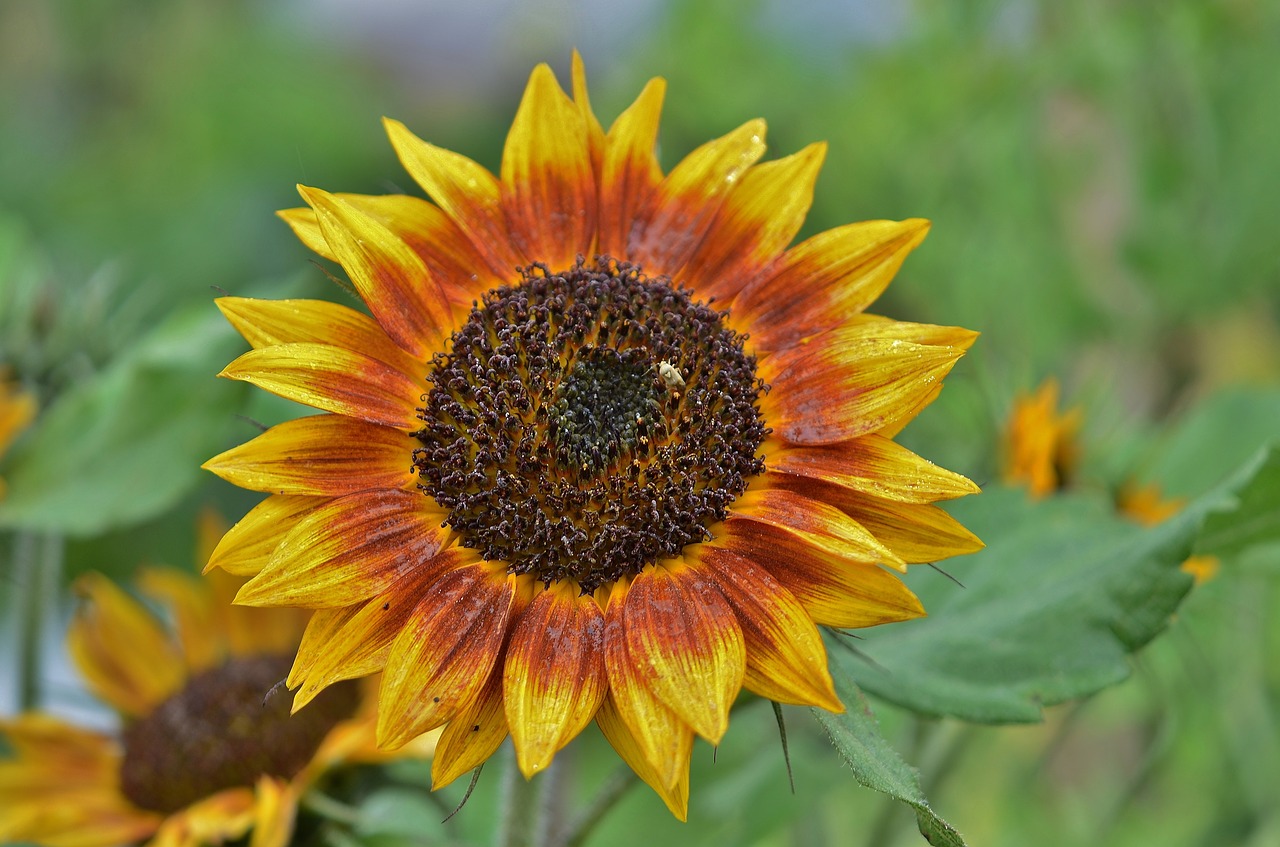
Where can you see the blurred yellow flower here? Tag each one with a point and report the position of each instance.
(1041, 450)
(206, 753)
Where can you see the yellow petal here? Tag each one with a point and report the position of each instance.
(548, 189)
(756, 224)
(680, 212)
(554, 678)
(333, 379)
(190, 603)
(275, 811)
(630, 171)
(321, 455)
(684, 636)
(872, 465)
(581, 99)
(472, 737)
(443, 657)
(834, 590)
(786, 659)
(675, 794)
(466, 191)
(356, 640)
(850, 382)
(246, 548)
(818, 284)
(124, 654)
(267, 323)
(348, 550)
(815, 520)
(401, 293)
(661, 741)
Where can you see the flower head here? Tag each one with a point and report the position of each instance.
(1040, 443)
(606, 449)
(206, 754)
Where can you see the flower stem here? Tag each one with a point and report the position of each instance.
(331, 809)
(613, 790)
(519, 826)
(36, 569)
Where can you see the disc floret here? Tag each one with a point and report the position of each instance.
(558, 439)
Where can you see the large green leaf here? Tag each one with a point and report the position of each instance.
(876, 764)
(128, 443)
(1063, 593)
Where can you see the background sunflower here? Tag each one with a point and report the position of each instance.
(204, 752)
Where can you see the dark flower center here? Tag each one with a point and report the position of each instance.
(587, 423)
(223, 731)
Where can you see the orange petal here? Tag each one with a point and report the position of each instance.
(675, 794)
(786, 659)
(348, 550)
(662, 740)
(323, 455)
(333, 379)
(246, 548)
(356, 640)
(819, 523)
(446, 651)
(466, 191)
(684, 641)
(189, 602)
(471, 737)
(834, 591)
(124, 654)
(872, 465)
(405, 299)
(680, 212)
(554, 678)
(756, 224)
(850, 382)
(820, 282)
(548, 188)
(267, 323)
(595, 132)
(630, 172)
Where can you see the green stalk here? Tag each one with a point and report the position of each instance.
(36, 569)
(521, 806)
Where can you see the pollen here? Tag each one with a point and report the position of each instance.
(586, 423)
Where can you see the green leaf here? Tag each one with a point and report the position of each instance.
(400, 811)
(876, 764)
(1254, 521)
(127, 444)
(1063, 593)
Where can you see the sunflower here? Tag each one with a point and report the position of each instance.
(17, 410)
(605, 449)
(1041, 451)
(202, 757)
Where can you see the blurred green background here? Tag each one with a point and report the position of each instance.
(1103, 181)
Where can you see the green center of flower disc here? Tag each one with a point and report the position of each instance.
(223, 731)
(585, 424)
